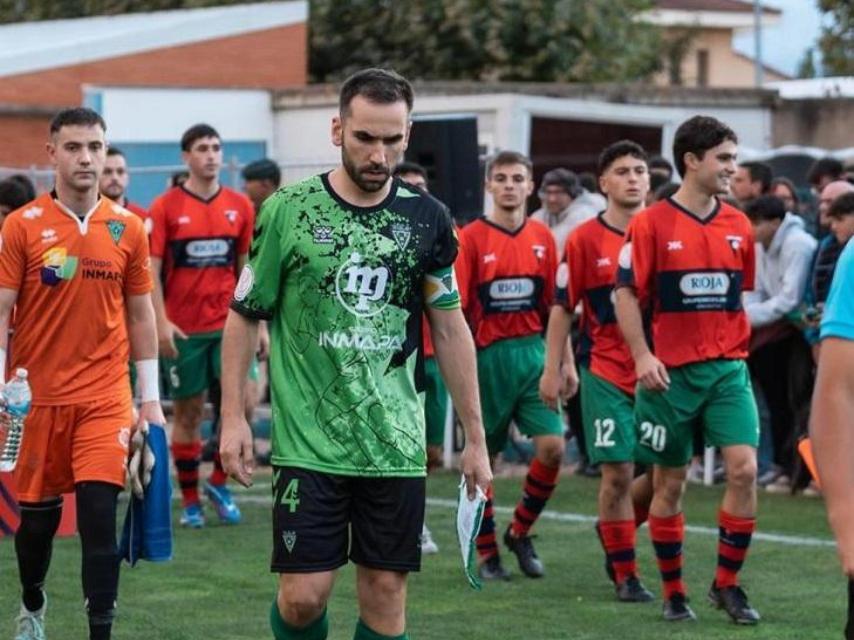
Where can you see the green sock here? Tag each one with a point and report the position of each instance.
(317, 630)
(364, 632)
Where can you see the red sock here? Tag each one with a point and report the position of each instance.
(539, 485)
(218, 476)
(188, 457)
(733, 542)
(641, 514)
(667, 535)
(486, 545)
(618, 538)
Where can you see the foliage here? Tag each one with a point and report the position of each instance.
(836, 42)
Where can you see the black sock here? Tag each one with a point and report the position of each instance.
(33, 546)
(96, 519)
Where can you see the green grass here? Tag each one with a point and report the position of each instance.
(219, 585)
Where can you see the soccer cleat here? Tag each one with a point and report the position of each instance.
(734, 601)
(428, 545)
(522, 546)
(609, 568)
(632, 590)
(226, 509)
(492, 569)
(192, 516)
(31, 623)
(676, 608)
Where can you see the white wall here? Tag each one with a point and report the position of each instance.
(162, 115)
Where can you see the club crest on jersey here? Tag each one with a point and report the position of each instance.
(290, 540)
(323, 235)
(231, 215)
(117, 229)
(735, 242)
(401, 234)
(539, 251)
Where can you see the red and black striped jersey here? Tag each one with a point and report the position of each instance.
(587, 275)
(506, 279)
(691, 272)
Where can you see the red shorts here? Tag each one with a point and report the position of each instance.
(67, 444)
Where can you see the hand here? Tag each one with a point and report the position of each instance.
(166, 334)
(652, 374)
(152, 413)
(570, 381)
(550, 388)
(474, 463)
(235, 449)
(263, 350)
(141, 460)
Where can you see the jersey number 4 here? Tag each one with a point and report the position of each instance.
(290, 496)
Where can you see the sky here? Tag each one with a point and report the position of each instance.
(783, 45)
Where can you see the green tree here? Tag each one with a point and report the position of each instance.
(836, 42)
(806, 67)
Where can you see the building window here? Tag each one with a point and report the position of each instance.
(702, 67)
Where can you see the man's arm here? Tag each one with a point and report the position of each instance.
(832, 434)
(558, 357)
(8, 297)
(166, 331)
(651, 372)
(142, 333)
(238, 344)
(455, 355)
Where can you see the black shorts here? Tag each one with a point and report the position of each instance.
(315, 513)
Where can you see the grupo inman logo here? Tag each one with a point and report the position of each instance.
(363, 286)
(704, 284)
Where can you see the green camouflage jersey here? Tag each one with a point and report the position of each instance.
(344, 289)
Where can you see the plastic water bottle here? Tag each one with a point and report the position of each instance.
(17, 398)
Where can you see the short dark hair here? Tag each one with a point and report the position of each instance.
(115, 151)
(77, 117)
(619, 149)
(13, 194)
(782, 180)
(697, 135)
(659, 162)
(381, 86)
(26, 184)
(665, 191)
(759, 172)
(842, 206)
(263, 169)
(503, 158)
(587, 180)
(825, 168)
(563, 178)
(197, 132)
(410, 167)
(657, 180)
(765, 208)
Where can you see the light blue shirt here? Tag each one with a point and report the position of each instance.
(837, 319)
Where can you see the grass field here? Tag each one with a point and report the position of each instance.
(219, 587)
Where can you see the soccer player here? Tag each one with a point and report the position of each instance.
(114, 183)
(688, 259)
(608, 380)
(261, 178)
(343, 265)
(74, 267)
(506, 271)
(833, 405)
(435, 393)
(200, 238)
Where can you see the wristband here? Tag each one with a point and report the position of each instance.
(146, 371)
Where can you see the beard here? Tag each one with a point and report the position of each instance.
(368, 185)
(113, 191)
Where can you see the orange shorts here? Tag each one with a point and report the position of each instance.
(67, 444)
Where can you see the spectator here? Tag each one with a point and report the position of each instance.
(13, 196)
(823, 172)
(656, 181)
(751, 180)
(658, 166)
(785, 189)
(841, 214)
(566, 204)
(665, 191)
(588, 182)
(26, 183)
(260, 180)
(412, 173)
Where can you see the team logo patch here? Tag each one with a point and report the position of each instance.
(290, 540)
(704, 284)
(58, 266)
(539, 251)
(323, 235)
(401, 234)
(117, 229)
(734, 242)
(244, 284)
(362, 288)
(32, 213)
(603, 262)
(674, 245)
(231, 215)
